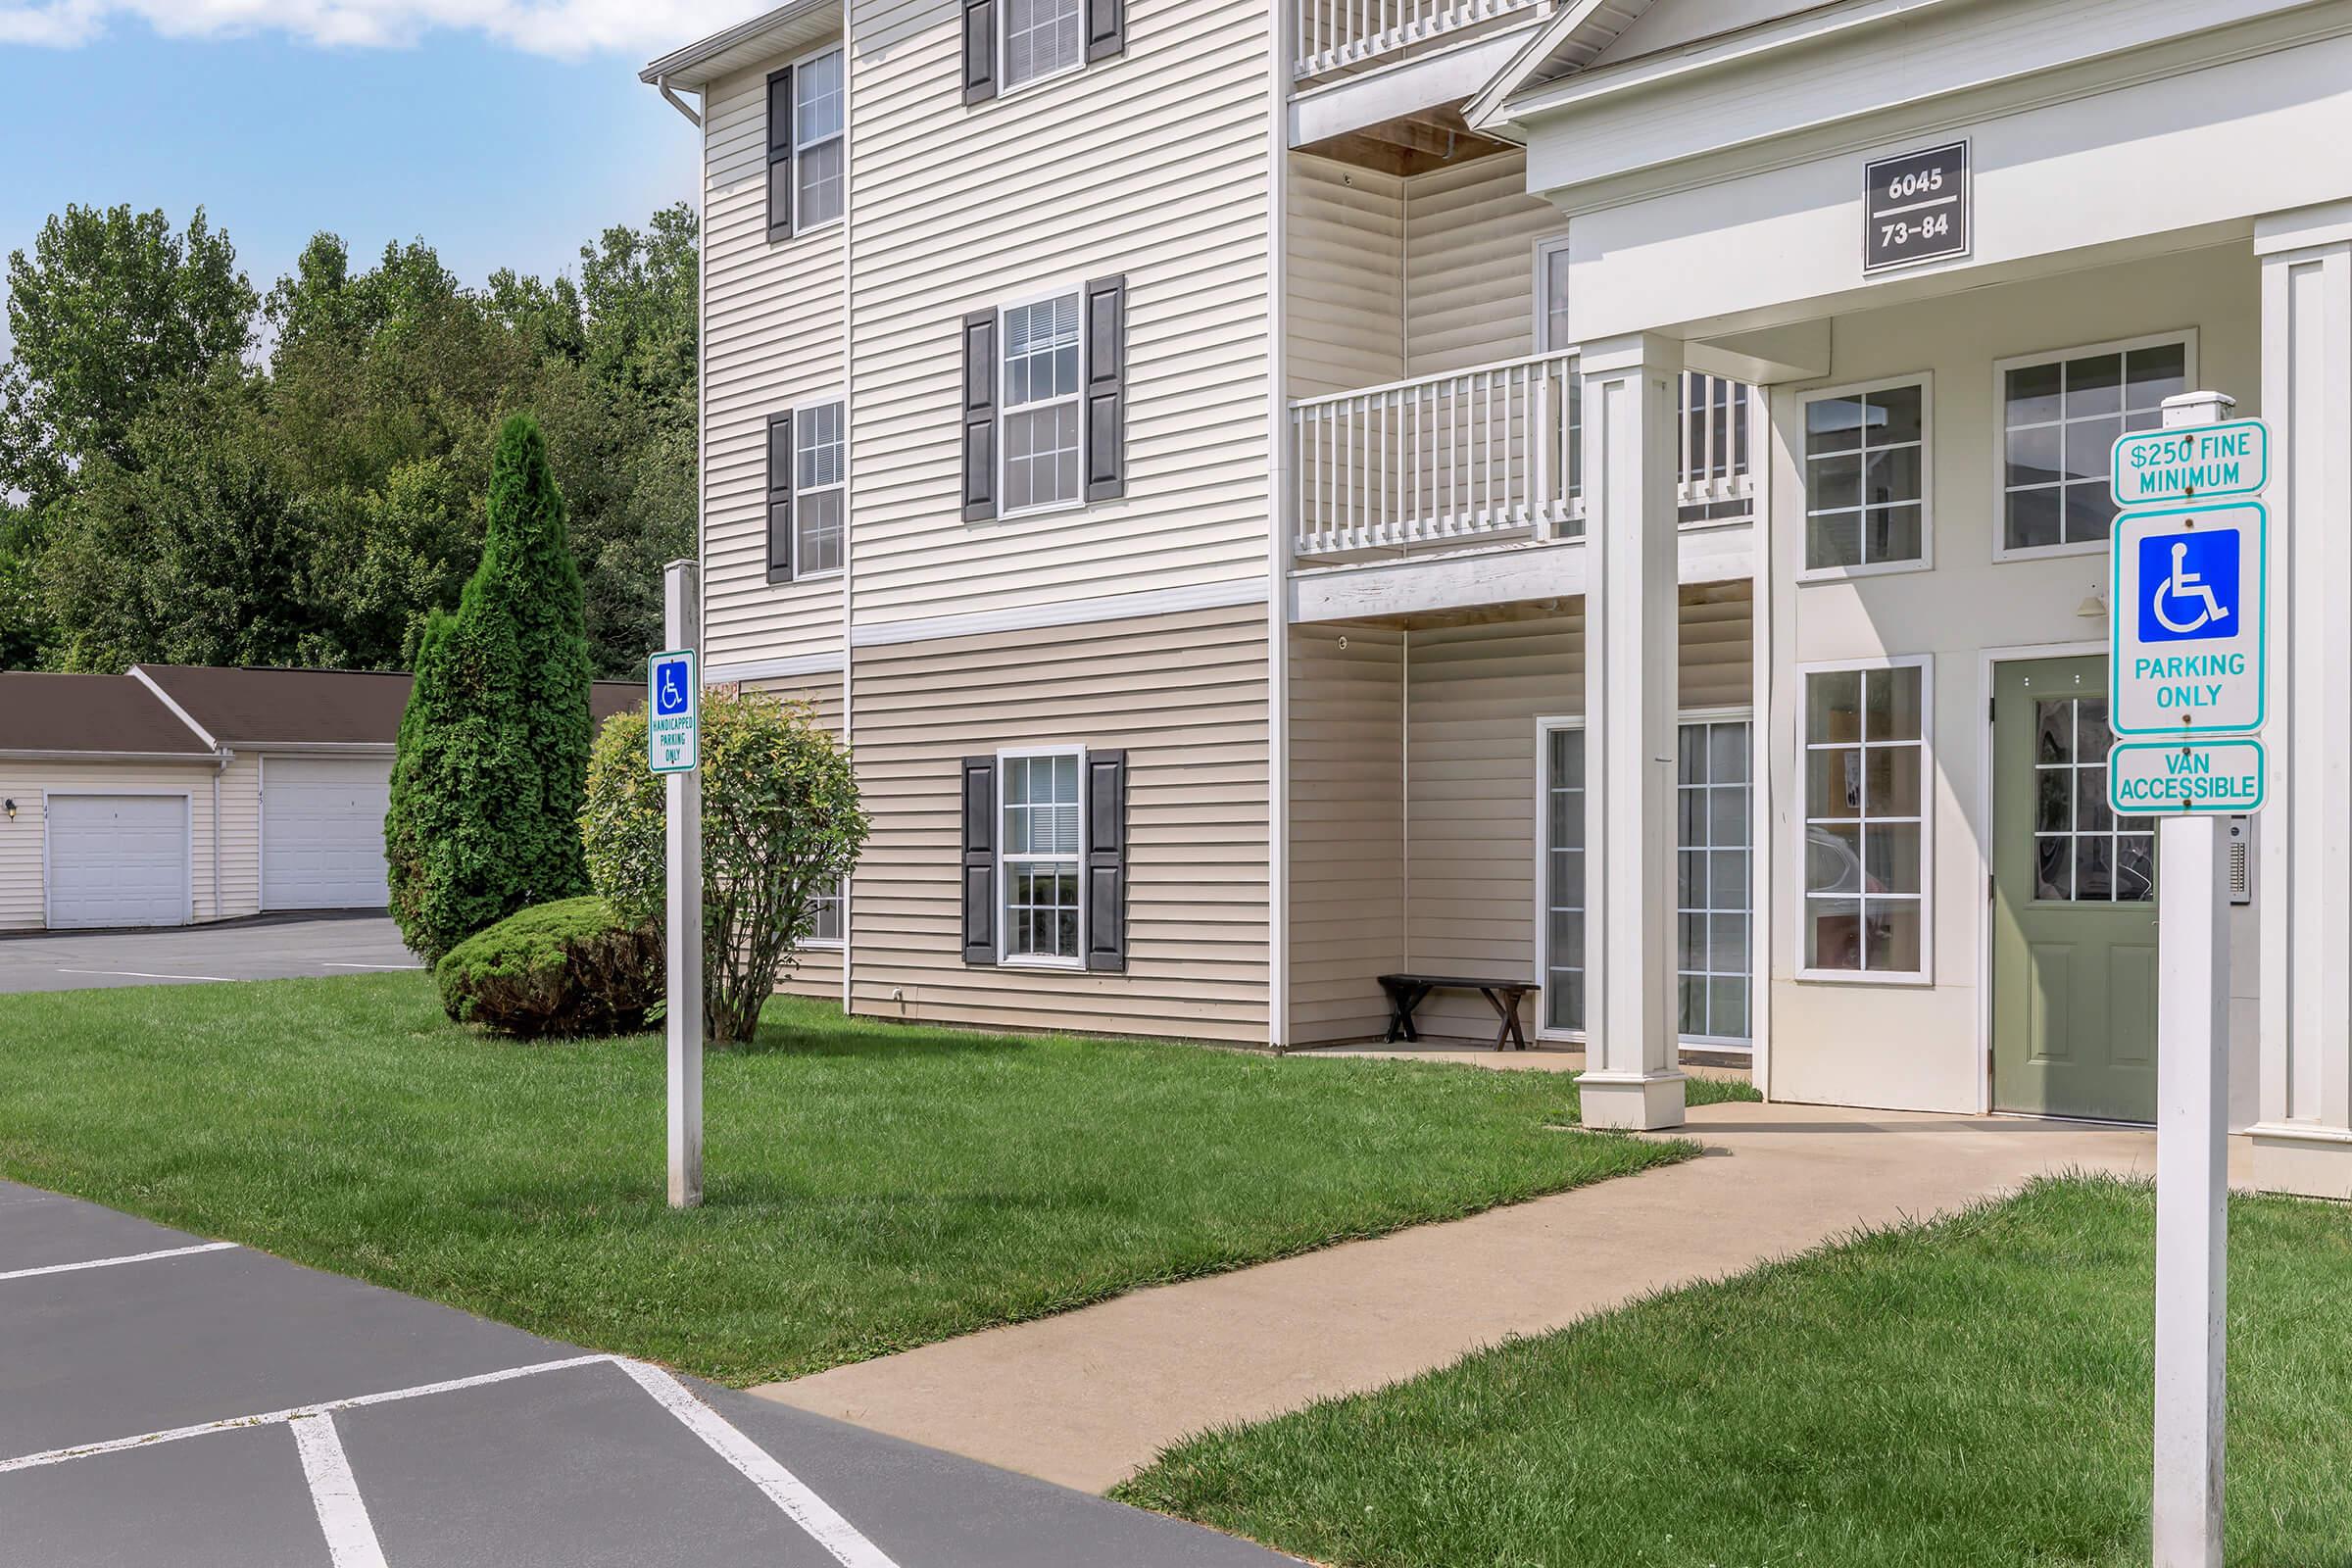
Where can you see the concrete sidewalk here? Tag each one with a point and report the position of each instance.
(1089, 1397)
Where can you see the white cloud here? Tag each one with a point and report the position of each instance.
(566, 27)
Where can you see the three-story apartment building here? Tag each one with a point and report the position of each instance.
(1277, 496)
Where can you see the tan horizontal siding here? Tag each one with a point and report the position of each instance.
(1185, 696)
(23, 901)
(1346, 824)
(1153, 164)
(772, 339)
(1474, 695)
(817, 972)
(1346, 322)
(1470, 236)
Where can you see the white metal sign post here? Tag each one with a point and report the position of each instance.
(2188, 650)
(673, 712)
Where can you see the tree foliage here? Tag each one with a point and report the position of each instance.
(317, 505)
(488, 778)
(782, 825)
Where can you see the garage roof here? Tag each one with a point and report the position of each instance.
(255, 706)
(102, 714)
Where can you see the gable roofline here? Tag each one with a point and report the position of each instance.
(1590, 26)
(692, 67)
(1511, 98)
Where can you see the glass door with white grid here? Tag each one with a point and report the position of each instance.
(2074, 899)
(1712, 866)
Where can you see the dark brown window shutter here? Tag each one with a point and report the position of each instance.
(1106, 860)
(979, 859)
(780, 154)
(779, 498)
(979, 415)
(1105, 433)
(1106, 28)
(979, 50)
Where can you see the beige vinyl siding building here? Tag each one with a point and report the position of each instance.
(1184, 696)
(235, 850)
(1151, 165)
(772, 342)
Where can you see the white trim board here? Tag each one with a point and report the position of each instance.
(1066, 612)
(825, 664)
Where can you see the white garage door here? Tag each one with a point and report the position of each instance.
(323, 832)
(118, 859)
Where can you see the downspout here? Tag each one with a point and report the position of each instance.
(662, 86)
(1278, 542)
(849, 474)
(226, 757)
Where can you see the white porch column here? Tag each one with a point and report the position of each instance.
(1632, 458)
(2303, 1143)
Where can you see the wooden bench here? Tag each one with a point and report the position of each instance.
(1407, 992)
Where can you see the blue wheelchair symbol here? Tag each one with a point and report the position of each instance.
(670, 692)
(2188, 586)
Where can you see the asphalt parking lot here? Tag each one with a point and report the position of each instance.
(271, 947)
(164, 1398)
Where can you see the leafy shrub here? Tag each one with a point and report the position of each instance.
(572, 967)
(492, 762)
(782, 827)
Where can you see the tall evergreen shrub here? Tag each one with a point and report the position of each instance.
(492, 766)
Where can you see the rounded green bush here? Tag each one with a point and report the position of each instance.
(572, 967)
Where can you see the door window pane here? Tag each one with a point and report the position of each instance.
(2083, 852)
(1866, 782)
(1563, 764)
(1713, 960)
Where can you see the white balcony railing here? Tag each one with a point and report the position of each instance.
(1460, 458)
(1717, 482)
(1331, 33)
(1487, 455)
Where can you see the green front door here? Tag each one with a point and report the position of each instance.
(2074, 908)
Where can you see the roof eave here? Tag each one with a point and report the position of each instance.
(683, 67)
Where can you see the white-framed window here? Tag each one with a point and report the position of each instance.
(1866, 844)
(1041, 466)
(1714, 917)
(1560, 882)
(828, 925)
(2061, 414)
(1551, 294)
(1714, 921)
(818, 147)
(1042, 38)
(1041, 872)
(1868, 479)
(820, 462)
(1551, 335)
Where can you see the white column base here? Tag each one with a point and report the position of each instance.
(2306, 1161)
(1639, 1102)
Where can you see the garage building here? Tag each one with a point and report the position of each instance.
(173, 794)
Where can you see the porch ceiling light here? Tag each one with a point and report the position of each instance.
(2094, 604)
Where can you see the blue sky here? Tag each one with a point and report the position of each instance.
(495, 154)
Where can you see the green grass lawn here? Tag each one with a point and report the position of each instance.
(869, 1187)
(1971, 1391)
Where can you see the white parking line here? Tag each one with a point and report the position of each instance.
(141, 974)
(110, 1262)
(784, 1488)
(342, 1513)
(33, 1461)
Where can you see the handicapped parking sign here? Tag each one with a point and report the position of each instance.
(2188, 633)
(673, 712)
(2196, 579)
